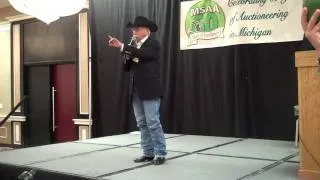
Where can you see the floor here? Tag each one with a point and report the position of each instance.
(189, 157)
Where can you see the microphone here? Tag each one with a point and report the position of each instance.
(133, 40)
(127, 54)
(27, 175)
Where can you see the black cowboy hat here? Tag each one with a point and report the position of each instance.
(141, 21)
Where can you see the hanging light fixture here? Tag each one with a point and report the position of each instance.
(20, 5)
(48, 10)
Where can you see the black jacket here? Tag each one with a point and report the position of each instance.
(146, 73)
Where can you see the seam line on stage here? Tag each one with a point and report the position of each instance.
(269, 167)
(73, 155)
(89, 152)
(240, 157)
(122, 145)
(179, 156)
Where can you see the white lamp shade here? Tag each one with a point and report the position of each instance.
(69, 7)
(48, 10)
(20, 5)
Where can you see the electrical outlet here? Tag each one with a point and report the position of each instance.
(1, 106)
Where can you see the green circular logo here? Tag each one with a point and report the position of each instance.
(204, 16)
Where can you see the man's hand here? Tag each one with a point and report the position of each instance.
(312, 28)
(114, 42)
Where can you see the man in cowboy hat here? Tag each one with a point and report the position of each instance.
(142, 60)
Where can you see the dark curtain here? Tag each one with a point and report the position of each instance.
(238, 91)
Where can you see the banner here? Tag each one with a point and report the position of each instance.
(216, 23)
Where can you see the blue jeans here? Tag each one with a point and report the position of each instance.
(148, 121)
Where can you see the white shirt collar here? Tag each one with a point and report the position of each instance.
(139, 44)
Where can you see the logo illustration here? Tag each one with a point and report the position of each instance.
(205, 20)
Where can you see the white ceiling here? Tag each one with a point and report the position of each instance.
(4, 3)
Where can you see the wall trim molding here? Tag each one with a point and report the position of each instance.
(19, 17)
(83, 64)
(86, 122)
(15, 118)
(16, 71)
(17, 136)
(6, 132)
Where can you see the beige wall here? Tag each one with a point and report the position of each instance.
(5, 70)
